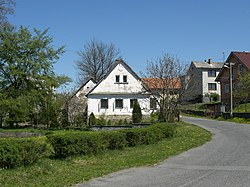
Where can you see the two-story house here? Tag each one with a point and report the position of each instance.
(116, 93)
(240, 62)
(201, 80)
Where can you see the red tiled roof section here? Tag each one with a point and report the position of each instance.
(158, 83)
(244, 58)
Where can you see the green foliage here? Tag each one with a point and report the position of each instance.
(88, 143)
(244, 87)
(150, 134)
(27, 79)
(101, 121)
(213, 97)
(114, 140)
(20, 152)
(136, 113)
(72, 144)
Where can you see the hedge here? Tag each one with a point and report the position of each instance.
(87, 143)
(20, 152)
(80, 143)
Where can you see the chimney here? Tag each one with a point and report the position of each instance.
(209, 61)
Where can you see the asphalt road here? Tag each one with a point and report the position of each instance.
(224, 161)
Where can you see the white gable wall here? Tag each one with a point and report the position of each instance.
(109, 85)
(110, 89)
(86, 88)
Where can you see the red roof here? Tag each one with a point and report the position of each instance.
(158, 83)
(244, 57)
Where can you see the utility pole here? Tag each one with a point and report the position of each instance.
(230, 65)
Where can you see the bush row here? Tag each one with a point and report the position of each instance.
(20, 152)
(87, 143)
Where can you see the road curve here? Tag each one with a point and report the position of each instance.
(224, 161)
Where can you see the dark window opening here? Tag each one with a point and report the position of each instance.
(104, 103)
(118, 103)
(153, 103)
(117, 78)
(132, 102)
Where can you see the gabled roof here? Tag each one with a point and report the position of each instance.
(117, 62)
(90, 79)
(244, 57)
(158, 83)
(207, 65)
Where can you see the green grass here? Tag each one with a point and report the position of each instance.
(48, 172)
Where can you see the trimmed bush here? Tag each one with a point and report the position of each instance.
(114, 140)
(136, 113)
(81, 143)
(20, 152)
(87, 143)
(150, 134)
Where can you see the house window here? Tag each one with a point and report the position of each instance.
(152, 103)
(212, 86)
(132, 102)
(104, 103)
(125, 79)
(226, 88)
(211, 73)
(117, 78)
(240, 68)
(118, 103)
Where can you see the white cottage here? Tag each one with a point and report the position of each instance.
(117, 92)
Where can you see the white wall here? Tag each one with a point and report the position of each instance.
(94, 105)
(86, 88)
(109, 85)
(206, 80)
(111, 90)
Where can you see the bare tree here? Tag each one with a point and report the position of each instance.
(6, 7)
(164, 77)
(96, 59)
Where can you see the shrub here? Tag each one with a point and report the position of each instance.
(150, 134)
(20, 152)
(81, 143)
(87, 143)
(114, 140)
(136, 113)
(92, 119)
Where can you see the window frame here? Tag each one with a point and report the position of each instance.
(211, 88)
(125, 78)
(117, 78)
(226, 88)
(107, 104)
(211, 73)
(153, 103)
(132, 102)
(116, 103)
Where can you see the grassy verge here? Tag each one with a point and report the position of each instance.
(49, 172)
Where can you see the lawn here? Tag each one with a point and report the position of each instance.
(49, 172)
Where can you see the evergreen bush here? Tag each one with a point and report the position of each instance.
(136, 113)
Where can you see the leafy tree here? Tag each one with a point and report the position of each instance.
(136, 113)
(27, 79)
(243, 89)
(96, 59)
(6, 7)
(212, 96)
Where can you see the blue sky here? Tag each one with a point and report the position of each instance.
(141, 29)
